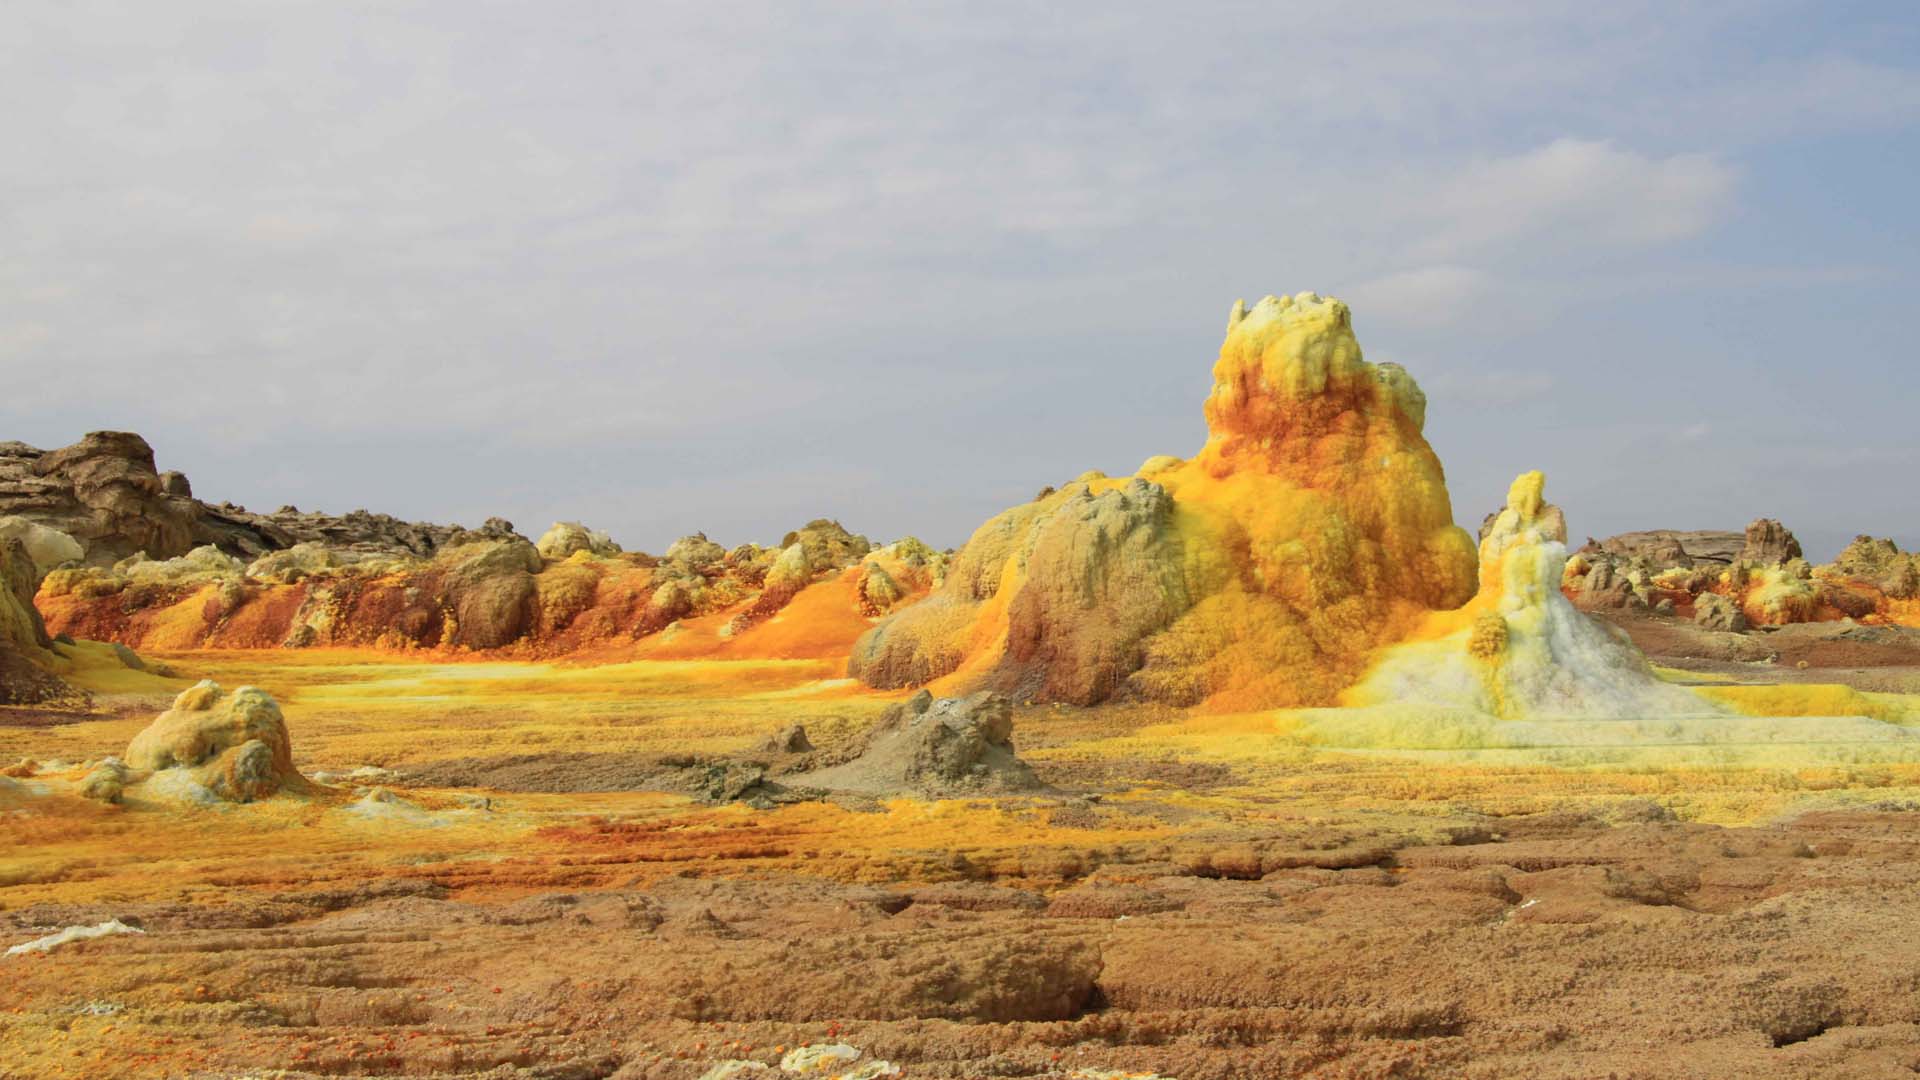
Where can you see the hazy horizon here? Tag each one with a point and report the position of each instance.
(675, 269)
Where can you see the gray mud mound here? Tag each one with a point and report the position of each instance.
(922, 748)
(935, 747)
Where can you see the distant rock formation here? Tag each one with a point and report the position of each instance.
(240, 532)
(484, 591)
(102, 491)
(1768, 543)
(1313, 527)
(106, 494)
(1764, 581)
(1881, 565)
(1664, 548)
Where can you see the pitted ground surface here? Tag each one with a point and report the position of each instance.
(1189, 898)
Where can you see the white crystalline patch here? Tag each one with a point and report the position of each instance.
(825, 1060)
(178, 785)
(729, 1070)
(367, 774)
(73, 933)
(817, 1058)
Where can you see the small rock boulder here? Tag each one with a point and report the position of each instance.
(567, 537)
(696, 552)
(791, 739)
(937, 748)
(1716, 612)
(106, 781)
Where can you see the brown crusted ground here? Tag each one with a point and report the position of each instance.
(1164, 905)
(1882, 658)
(1564, 949)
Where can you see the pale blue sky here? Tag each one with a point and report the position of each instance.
(730, 267)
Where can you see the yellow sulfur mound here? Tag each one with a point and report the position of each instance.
(235, 743)
(1313, 527)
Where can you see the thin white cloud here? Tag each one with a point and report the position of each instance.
(1427, 296)
(1577, 193)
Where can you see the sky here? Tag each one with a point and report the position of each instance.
(666, 267)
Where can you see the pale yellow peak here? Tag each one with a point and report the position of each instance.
(1287, 311)
(1528, 518)
(1525, 497)
(199, 697)
(1293, 344)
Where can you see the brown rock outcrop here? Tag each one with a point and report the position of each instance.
(1769, 543)
(1716, 612)
(1880, 564)
(103, 491)
(1663, 549)
(238, 531)
(24, 644)
(1116, 551)
(938, 748)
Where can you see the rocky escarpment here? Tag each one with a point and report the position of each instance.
(1312, 527)
(102, 491)
(130, 555)
(26, 659)
(106, 493)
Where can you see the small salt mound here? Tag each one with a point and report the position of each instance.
(73, 933)
(383, 805)
(364, 774)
